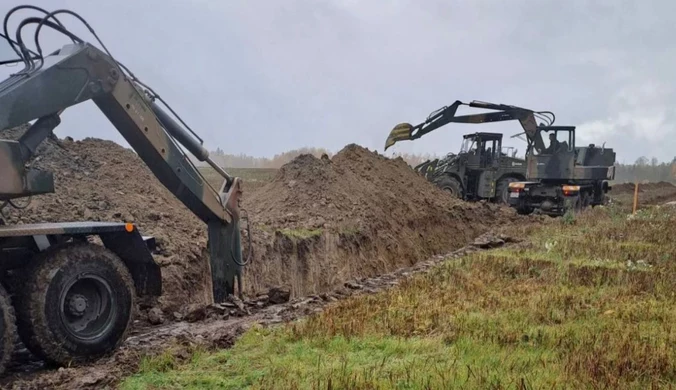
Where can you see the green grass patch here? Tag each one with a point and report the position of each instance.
(276, 359)
(253, 178)
(301, 233)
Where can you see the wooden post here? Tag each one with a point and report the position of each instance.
(635, 197)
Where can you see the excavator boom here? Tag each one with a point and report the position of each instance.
(446, 115)
(79, 72)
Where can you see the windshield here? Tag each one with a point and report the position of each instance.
(509, 151)
(468, 144)
(556, 141)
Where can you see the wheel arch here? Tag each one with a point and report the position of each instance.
(511, 175)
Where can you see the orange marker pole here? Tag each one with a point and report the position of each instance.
(635, 197)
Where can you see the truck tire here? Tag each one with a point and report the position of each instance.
(586, 200)
(7, 329)
(573, 204)
(76, 303)
(452, 185)
(502, 190)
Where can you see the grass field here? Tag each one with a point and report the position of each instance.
(587, 303)
(253, 178)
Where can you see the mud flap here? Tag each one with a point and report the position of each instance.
(225, 258)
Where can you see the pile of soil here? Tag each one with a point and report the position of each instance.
(628, 188)
(357, 190)
(357, 214)
(318, 223)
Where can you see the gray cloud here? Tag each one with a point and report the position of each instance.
(264, 77)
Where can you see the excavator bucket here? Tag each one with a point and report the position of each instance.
(400, 132)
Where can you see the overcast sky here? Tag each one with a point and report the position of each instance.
(264, 77)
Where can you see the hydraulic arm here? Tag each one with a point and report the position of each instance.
(79, 72)
(446, 115)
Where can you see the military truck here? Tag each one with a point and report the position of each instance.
(479, 171)
(559, 178)
(562, 177)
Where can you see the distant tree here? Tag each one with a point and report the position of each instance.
(642, 161)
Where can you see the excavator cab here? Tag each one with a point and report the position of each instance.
(557, 159)
(481, 150)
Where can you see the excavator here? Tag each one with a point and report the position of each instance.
(67, 298)
(559, 178)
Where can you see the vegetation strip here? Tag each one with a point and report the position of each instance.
(519, 317)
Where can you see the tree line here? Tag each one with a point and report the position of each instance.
(643, 169)
(276, 161)
(646, 170)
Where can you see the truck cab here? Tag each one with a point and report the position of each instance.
(562, 176)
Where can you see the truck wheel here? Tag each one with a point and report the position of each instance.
(76, 304)
(586, 200)
(7, 329)
(573, 204)
(452, 185)
(502, 190)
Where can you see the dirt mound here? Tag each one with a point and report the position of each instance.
(102, 181)
(357, 214)
(626, 188)
(356, 190)
(648, 194)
